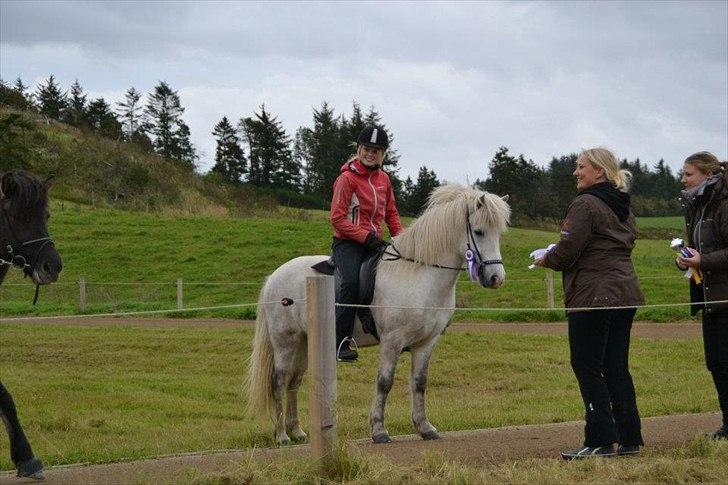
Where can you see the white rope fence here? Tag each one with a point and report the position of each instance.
(391, 307)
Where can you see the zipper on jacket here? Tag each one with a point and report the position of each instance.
(698, 245)
(374, 210)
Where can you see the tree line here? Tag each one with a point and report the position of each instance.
(256, 150)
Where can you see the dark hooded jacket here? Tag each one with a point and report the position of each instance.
(594, 252)
(706, 222)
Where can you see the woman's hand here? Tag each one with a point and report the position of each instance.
(693, 261)
(539, 262)
(680, 265)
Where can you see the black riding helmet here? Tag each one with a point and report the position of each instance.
(373, 136)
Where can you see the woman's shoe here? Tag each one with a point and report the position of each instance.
(625, 450)
(721, 434)
(589, 452)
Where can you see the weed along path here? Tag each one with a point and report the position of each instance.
(656, 331)
(477, 447)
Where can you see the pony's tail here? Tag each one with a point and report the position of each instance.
(259, 381)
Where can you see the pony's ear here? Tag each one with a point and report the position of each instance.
(505, 197)
(481, 201)
(7, 185)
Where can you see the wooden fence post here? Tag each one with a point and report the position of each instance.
(550, 287)
(321, 365)
(180, 294)
(82, 294)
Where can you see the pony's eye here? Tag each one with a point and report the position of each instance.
(478, 232)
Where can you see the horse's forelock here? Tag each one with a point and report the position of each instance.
(29, 195)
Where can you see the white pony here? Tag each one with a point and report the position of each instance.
(460, 226)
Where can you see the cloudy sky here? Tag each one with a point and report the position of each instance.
(453, 81)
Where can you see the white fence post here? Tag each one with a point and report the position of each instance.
(550, 287)
(180, 294)
(82, 294)
(321, 365)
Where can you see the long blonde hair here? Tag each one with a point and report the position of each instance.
(604, 158)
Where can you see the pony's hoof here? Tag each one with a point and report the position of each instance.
(431, 435)
(284, 442)
(381, 438)
(300, 437)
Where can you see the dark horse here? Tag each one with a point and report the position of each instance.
(26, 245)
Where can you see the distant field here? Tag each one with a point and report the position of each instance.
(673, 222)
(131, 262)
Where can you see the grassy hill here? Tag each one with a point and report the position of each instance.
(100, 172)
(131, 261)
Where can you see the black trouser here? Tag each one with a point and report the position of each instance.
(19, 447)
(348, 256)
(599, 344)
(715, 342)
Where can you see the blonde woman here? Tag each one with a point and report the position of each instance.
(705, 202)
(363, 199)
(594, 254)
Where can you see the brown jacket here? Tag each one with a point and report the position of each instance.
(706, 221)
(594, 254)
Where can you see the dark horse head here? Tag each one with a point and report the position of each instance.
(24, 239)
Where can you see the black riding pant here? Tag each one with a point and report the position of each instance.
(348, 256)
(19, 447)
(599, 344)
(715, 341)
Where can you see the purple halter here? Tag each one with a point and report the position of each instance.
(476, 264)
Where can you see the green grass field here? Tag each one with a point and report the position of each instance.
(131, 262)
(676, 223)
(109, 394)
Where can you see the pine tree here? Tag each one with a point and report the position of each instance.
(271, 159)
(229, 157)
(419, 194)
(75, 113)
(20, 86)
(326, 156)
(523, 181)
(185, 151)
(103, 120)
(15, 96)
(356, 123)
(403, 204)
(51, 100)
(303, 146)
(130, 112)
(562, 187)
(164, 111)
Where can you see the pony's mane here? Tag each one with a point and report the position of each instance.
(443, 225)
(29, 195)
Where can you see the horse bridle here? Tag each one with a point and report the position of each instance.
(476, 263)
(16, 258)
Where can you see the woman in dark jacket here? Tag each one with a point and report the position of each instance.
(594, 254)
(705, 202)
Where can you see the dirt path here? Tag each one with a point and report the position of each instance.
(657, 331)
(477, 447)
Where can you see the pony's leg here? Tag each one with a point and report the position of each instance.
(418, 382)
(388, 355)
(283, 365)
(293, 427)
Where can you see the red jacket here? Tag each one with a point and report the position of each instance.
(362, 199)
